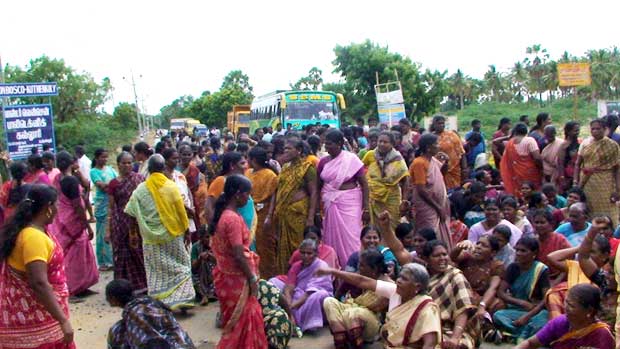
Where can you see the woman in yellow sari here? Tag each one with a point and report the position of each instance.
(296, 200)
(264, 185)
(387, 179)
(596, 171)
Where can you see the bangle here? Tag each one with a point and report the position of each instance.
(458, 326)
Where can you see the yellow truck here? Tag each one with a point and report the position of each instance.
(238, 119)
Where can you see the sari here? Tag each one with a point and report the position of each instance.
(194, 180)
(309, 315)
(101, 204)
(353, 319)
(555, 297)
(526, 285)
(278, 327)
(202, 276)
(39, 177)
(71, 233)
(241, 314)
(557, 335)
(453, 294)
(125, 235)
(264, 185)
(325, 253)
(186, 194)
(25, 323)
(450, 143)
(384, 175)
(600, 158)
(166, 259)
(517, 168)
(428, 173)
(406, 324)
(291, 216)
(342, 222)
(146, 322)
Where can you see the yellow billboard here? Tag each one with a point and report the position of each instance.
(574, 74)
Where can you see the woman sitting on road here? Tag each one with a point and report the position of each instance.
(493, 218)
(358, 320)
(578, 328)
(523, 289)
(305, 291)
(413, 318)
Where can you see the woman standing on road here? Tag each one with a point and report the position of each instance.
(123, 232)
(430, 199)
(101, 174)
(597, 171)
(344, 192)
(32, 272)
(72, 229)
(387, 179)
(521, 161)
(296, 200)
(235, 276)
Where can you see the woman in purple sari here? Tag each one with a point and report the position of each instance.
(578, 328)
(123, 229)
(344, 191)
(72, 229)
(304, 291)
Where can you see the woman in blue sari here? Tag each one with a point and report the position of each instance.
(523, 289)
(102, 174)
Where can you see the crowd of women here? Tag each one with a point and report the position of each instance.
(416, 238)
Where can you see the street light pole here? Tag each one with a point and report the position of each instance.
(135, 95)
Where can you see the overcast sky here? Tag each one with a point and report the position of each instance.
(186, 47)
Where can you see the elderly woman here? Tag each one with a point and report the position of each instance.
(358, 319)
(387, 179)
(304, 290)
(578, 328)
(430, 198)
(413, 318)
(523, 289)
(448, 287)
(158, 207)
(521, 161)
(451, 144)
(492, 219)
(344, 192)
(577, 226)
(597, 171)
(574, 195)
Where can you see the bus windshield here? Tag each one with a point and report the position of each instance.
(311, 111)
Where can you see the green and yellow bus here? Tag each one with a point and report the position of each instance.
(298, 108)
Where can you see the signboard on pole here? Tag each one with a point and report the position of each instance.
(391, 113)
(574, 74)
(28, 126)
(29, 89)
(390, 103)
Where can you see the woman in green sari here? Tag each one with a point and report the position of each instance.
(102, 174)
(523, 289)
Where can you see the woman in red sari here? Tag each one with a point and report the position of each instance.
(521, 161)
(32, 272)
(235, 276)
(123, 229)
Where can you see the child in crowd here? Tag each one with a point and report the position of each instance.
(203, 263)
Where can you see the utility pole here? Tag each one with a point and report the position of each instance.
(135, 95)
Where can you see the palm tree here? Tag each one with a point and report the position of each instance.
(518, 79)
(538, 56)
(458, 86)
(493, 80)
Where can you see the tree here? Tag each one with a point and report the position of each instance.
(179, 108)
(125, 115)
(310, 82)
(78, 93)
(535, 66)
(238, 80)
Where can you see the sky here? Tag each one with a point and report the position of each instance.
(181, 47)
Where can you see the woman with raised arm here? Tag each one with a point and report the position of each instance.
(32, 273)
(413, 318)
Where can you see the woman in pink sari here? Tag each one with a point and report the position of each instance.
(344, 191)
(431, 205)
(72, 229)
